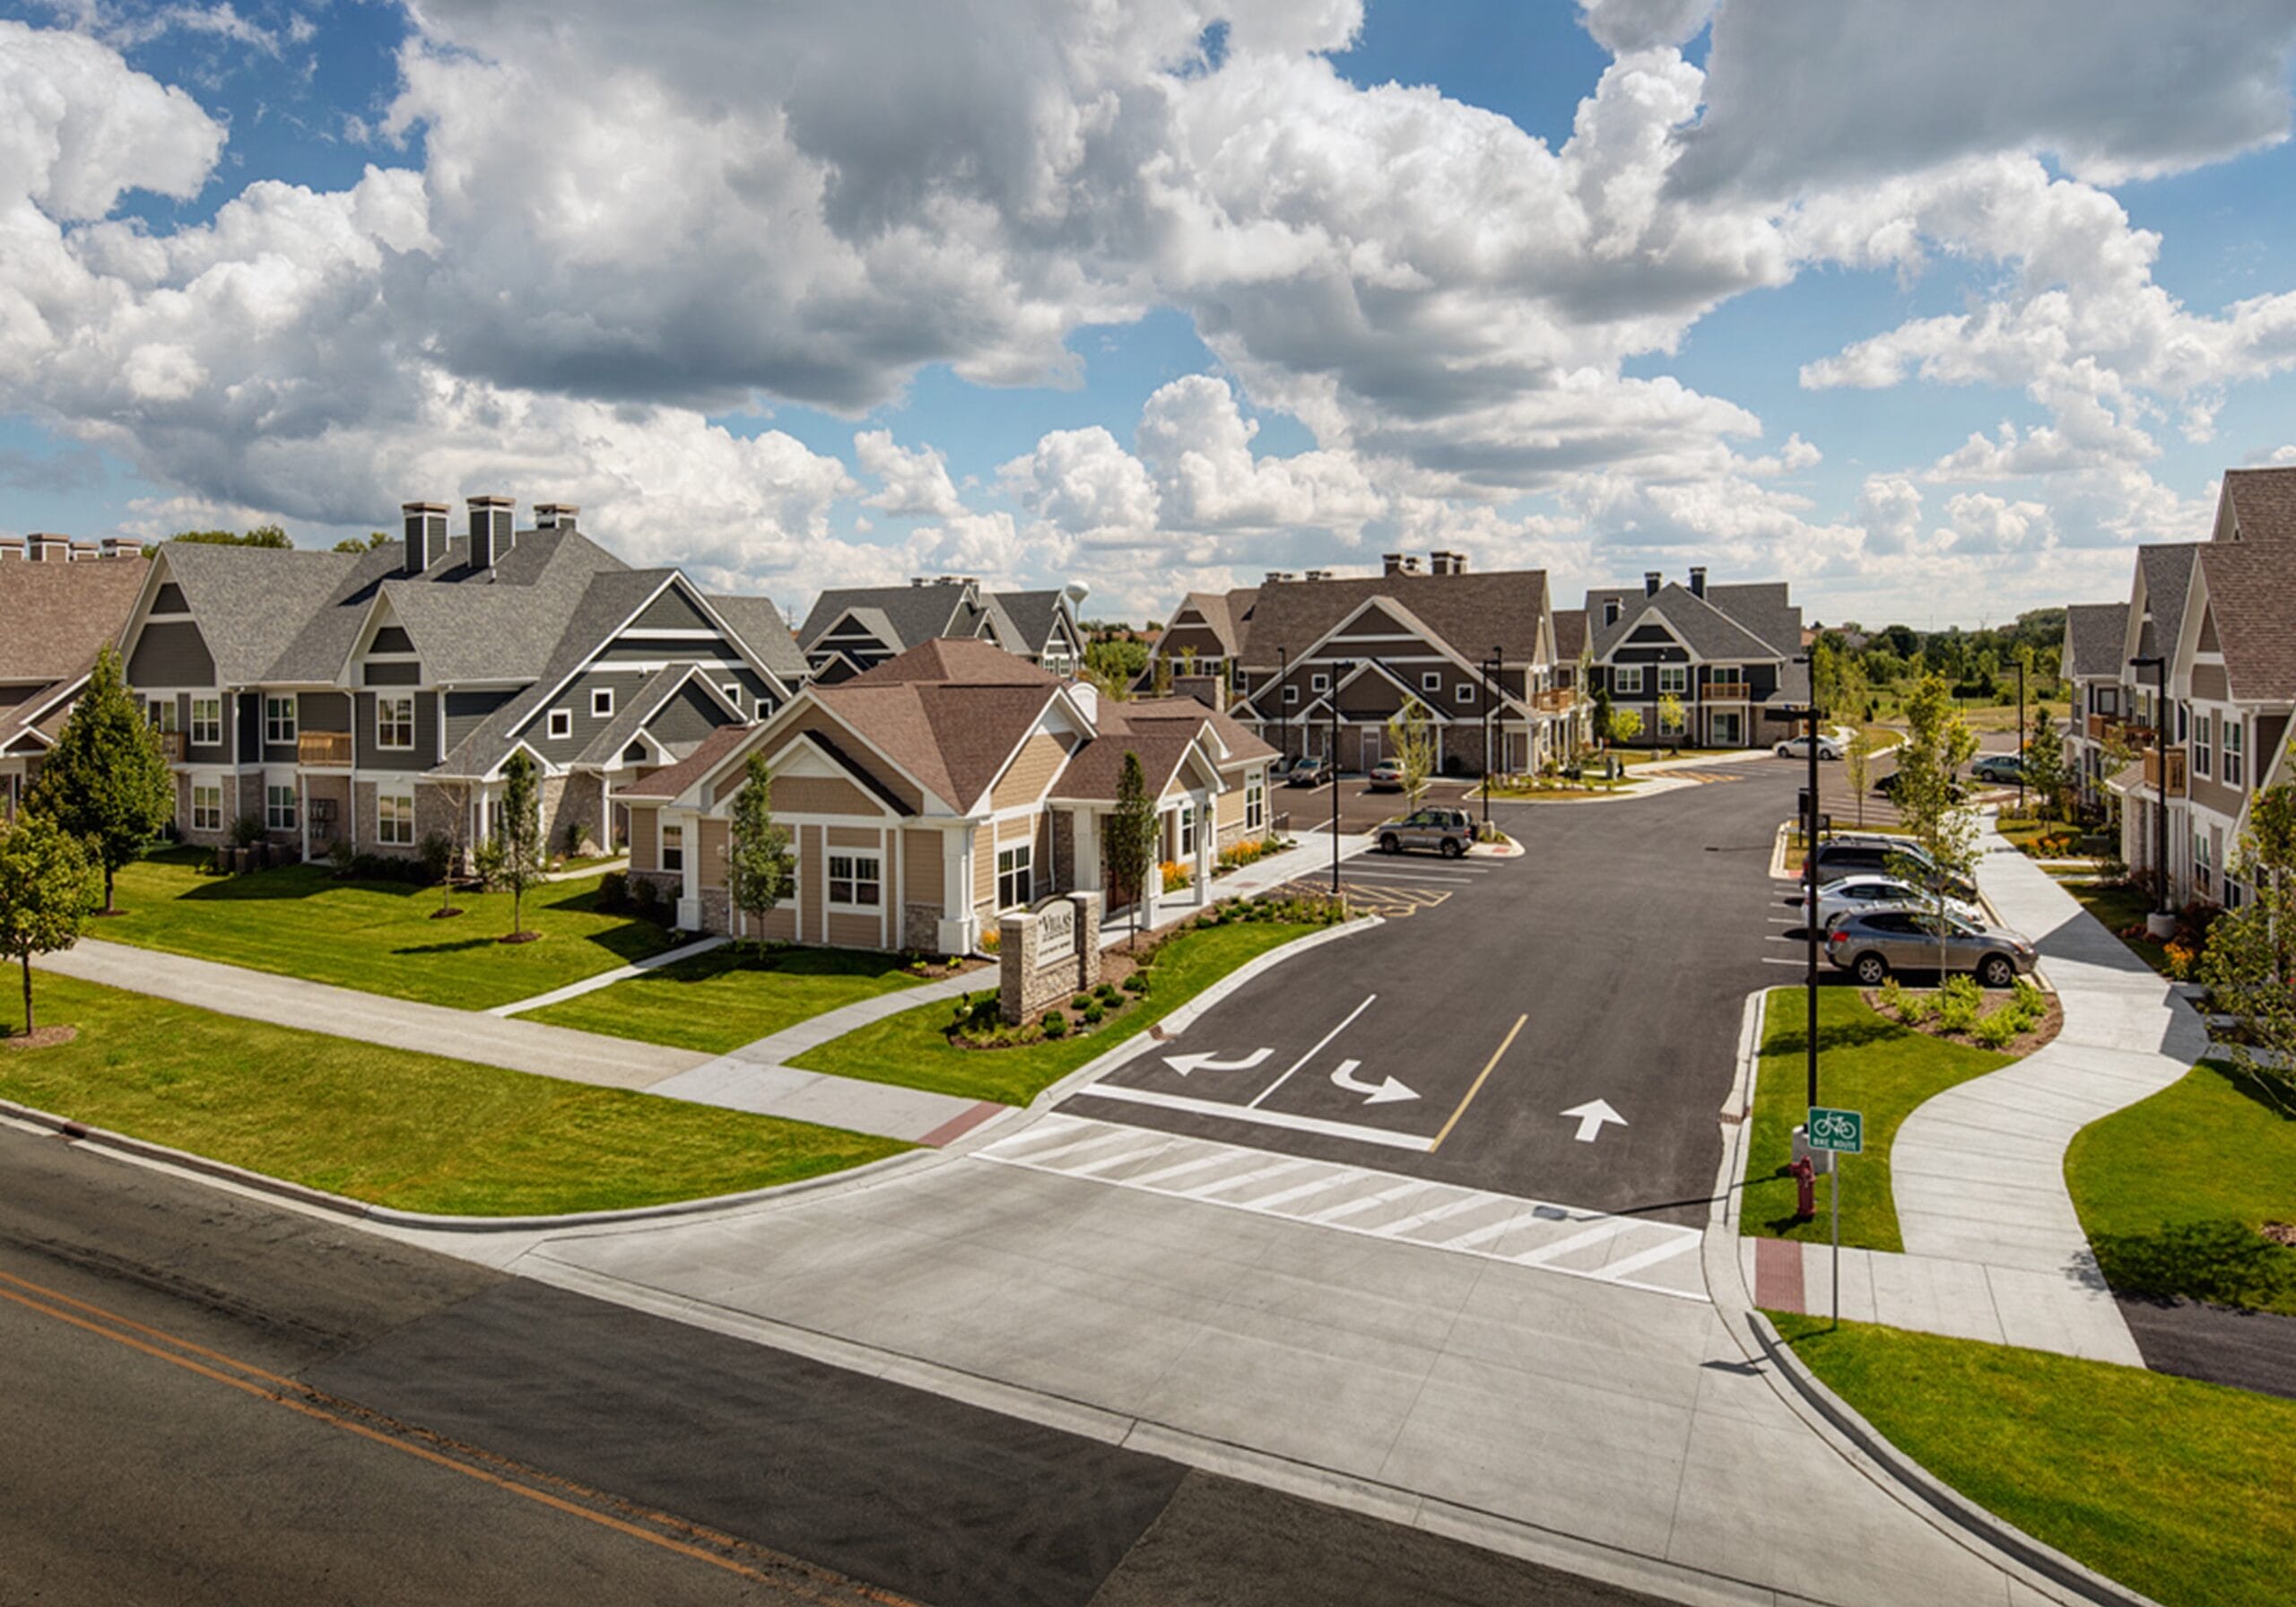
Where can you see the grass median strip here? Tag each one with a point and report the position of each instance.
(1864, 1063)
(2183, 1490)
(913, 1049)
(2173, 1190)
(416, 1132)
(375, 936)
(728, 997)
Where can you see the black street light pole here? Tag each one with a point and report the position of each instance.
(1810, 887)
(1491, 668)
(1283, 680)
(1338, 673)
(2020, 739)
(2158, 665)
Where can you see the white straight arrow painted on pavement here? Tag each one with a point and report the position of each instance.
(1374, 1093)
(1184, 1064)
(1590, 1118)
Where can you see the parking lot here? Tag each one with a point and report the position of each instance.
(1561, 1025)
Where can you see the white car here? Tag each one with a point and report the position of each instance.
(1848, 895)
(1798, 747)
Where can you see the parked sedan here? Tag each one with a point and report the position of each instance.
(2006, 768)
(1798, 747)
(1445, 831)
(1386, 775)
(1872, 944)
(1308, 771)
(1850, 895)
(1888, 786)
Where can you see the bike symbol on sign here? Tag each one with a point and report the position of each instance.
(1843, 1130)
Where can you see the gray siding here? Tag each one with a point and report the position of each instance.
(206, 753)
(690, 715)
(251, 722)
(322, 711)
(673, 611)
(171, 600)
(392, 638)
(421, 757)
(172, 655)
(393, 675)
(622, 651)
(575, 700)
(466, 711)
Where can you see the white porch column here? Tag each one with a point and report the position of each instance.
(1088, 850)
(958, 932)
(1208, 829)
(689, 871)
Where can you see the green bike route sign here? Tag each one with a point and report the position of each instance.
(1842, 1131)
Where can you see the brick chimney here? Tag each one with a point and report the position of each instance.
(1651, 581)
(1698, 581)
(425, 524)
(493, 526)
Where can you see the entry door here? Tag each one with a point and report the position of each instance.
(1726, 730)
(1370, 746)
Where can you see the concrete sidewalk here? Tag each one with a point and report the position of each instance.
(590, 985)
(1980, 1169)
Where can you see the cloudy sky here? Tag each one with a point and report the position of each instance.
(1933, 309)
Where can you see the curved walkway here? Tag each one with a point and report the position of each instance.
(1980, 1169)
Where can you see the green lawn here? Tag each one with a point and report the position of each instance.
(376, 936)
(411, 1131)
(2119, 909)
(912, 1049)
(2185, 1492)
(728, 997)
(2172, 1190)
(1865, 1063)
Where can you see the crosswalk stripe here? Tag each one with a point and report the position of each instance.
(1539, 1254)
(1435, 1213)
(1652, 1256)
(1347, 1208)
(1281, 1170)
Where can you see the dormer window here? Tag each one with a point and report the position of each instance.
(732, 690)
(1610, 610)
(562, 722)
(602, 703)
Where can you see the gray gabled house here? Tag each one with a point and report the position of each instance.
(1725, 653)
(374, 698)
(855, 629)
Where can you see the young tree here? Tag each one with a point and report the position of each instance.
(1857, 767)
(1672, 718)
(1411, 736)
(2248, 966)
(2044, 763)
(454, 797)
(1938, 744)
(1601, 720)
(106, 782)
(48, 886)
(1626, 725)
(518, 835)
(759, 864)
(1130, 837)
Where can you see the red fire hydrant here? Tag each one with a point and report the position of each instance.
(1805, 1186)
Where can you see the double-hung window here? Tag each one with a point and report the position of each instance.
(279, 807)
(162, 714)
(394, 820)
(1673, 678)
(395, 722)
(207, 722)
(1185, 834)
(278, 720)
(1626, 680)
(1255, 801)
(1015, 875)
(206, 807)
(856, 881)
(2202, 870)
(672, 848)
(2203, 756)
(2236, 751)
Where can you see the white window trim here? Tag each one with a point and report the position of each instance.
(561, 723)
(663, 831)
(876, 858)
(2232, 740)
(1183, 829)
(401, 815)
(1024, 863)
(732, 690)
(1431, 682)
(1626, 680)
(602, 702)
(271, 811)
(2203, 748)
(1255, 801)
(382, 744)
(278, 732)
(1677, 672)
(1291, 697)
(198, 787)
(165, 717)
(1319, 682)
(1465, 692)
(198, 722)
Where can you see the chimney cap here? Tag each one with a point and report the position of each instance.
(490, 500)
(423, 508)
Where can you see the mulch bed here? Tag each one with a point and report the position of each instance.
(46, 1037)
(520, 937)
(2279, 1233)
(2022, 1045)
(441, 915)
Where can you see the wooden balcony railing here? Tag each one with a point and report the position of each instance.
(1728, 691)
(170, 745)
(1554, 701)
(2173, 760)
(2102, 726)
(330, 747)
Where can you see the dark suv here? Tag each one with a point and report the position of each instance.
(1843, 856)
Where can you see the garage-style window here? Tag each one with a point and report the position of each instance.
(856, 881)
(279, 720)
(207, 722)
(394, 820)
(1016, 882)
(1255, 801)
(1627, 679)
(395, 722)
(206, 808)
(672, 857)
(279, 807)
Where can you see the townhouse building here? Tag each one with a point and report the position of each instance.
(374, 698)
(852, 629)
(59, 604)
(1725, 653)
(2212, 715)
(2093, 666)
(932, 792)
(1319, 663)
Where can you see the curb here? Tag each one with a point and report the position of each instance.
(343, 1205)
(2085, 1584)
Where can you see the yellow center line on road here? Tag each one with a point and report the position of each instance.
(99, 1316)
(1489, 1065)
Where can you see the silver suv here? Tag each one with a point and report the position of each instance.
(1448, 832)
(1871, 943)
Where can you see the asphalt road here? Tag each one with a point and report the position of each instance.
(212, 1401)
(1610, 963)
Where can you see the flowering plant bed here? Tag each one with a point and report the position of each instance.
(2023, 1019)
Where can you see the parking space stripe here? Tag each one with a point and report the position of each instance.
(1308, 1201)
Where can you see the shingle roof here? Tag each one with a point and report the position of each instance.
(910, 614)
(669, 782)
(510, 628)
(635, 710)
(1736, 621)
(1031, 615)
(1569, 634)
(2093, 634)
(965, 659)
(1241, 744)
(1224, 614)
(251, 604)
(1095, 771)
(2264, 502)
(44, 711)
(2167, 568)
(2252, 597)
(1472, 613)
(54, 616)
(758, 622)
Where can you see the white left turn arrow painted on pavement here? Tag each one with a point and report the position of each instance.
(1184, 1064)
(1374, 1093)
(1590, 1116)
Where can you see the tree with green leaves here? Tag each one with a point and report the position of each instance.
(2045, 770)
(1938, 744)
(48, 886)
(352, 544)
(759, 865)
(1826, 660)
(1411, 743)
(262, 535)
(1858, 766)
(518, 835)
(106, 781)
(1129, 838)
(2249, 966)
(1625, 725)
(1672, 718)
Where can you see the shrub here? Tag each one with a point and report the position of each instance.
(614, 891)
(1995, 1031)
(1094, 1011)
(571, 839)
(1080, 1001)
(339, 855)
(1137, 983)
(1915, 1009)
(437, 855)
(1959, 1002)
(246, 831)
(644, 893)
(1056, 1025)
(2028, 1003)
(1894, 997)
(2178, 959)
(1105, 991)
